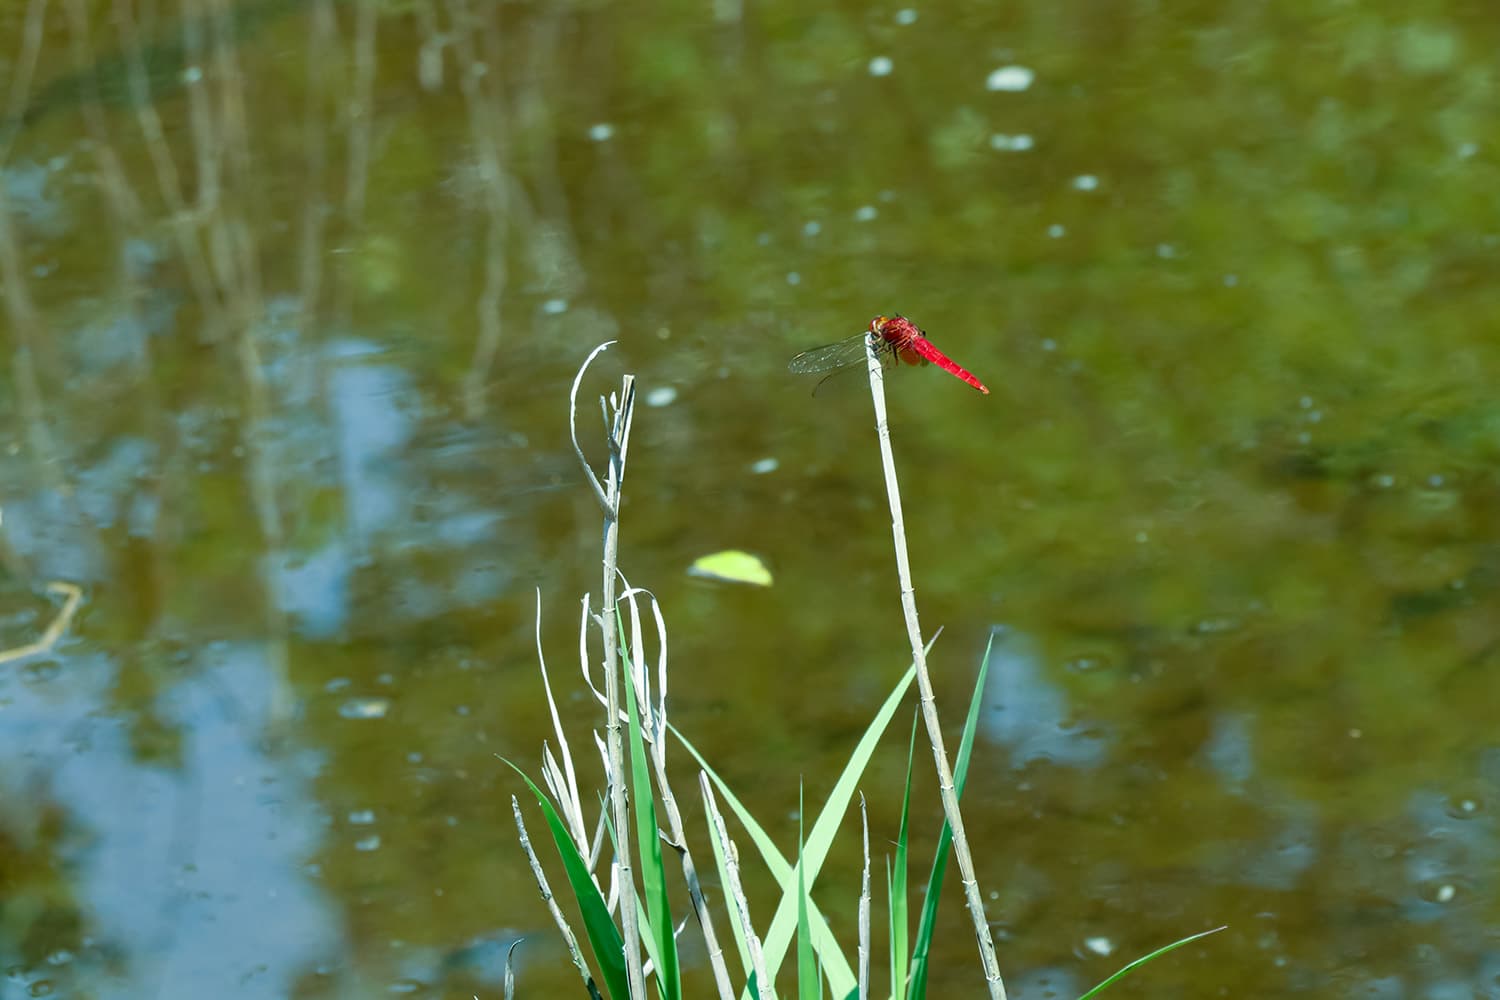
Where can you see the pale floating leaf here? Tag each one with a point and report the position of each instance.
(732, 566)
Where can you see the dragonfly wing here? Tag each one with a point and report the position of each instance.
(845, 352)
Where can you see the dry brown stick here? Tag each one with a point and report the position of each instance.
(73, 597)
(946, 788)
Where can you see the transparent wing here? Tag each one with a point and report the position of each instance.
(829, 357)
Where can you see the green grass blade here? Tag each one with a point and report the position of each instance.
(783, 926)
(604, 936)
(918, 987)
(1127, 970)
(896, 878)
(809, 982)
(653, 870)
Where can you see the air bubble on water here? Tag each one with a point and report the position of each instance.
(765, 465)
(1435, 480)
(881, 66)
(1142, 538)
(1011, 143)
(793, 278)
(370, 843)
(601, 132)
(811, 228)
(1057, 230)
(1438, 890)
(362, 817)
(1088, 663)
(1463, 807)
(365, 708)
(1048, 344)
(192, 75)
(1086, 182)
(1166, 251)
(1467, 149)
(664, 395)
(1010, 79)
(1098, 945)
(1383, 481)
(866, 213)
(906, 15)
(554, 307)
(1231, 280)
(1306, 402)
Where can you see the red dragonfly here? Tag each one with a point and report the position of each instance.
(896, 339)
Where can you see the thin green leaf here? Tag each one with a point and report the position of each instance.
(599, 928)
(897, 875)
(918, 987)
(653, 870)
(809, 982)
(835, 965)
(1146, 958)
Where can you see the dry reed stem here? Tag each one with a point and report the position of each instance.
(924, 684)
(617, 430)
(864, 906)
(735, 889)
(552, 907)
(654, 729)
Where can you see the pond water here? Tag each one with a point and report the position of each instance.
(294, 292)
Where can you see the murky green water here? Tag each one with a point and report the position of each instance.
(294, 293)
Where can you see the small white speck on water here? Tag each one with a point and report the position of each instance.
(1048, 344)
(866, 213)
(1166, 251)
(601, 131)
(1099, 945)
(1057, 230)
(881, 66)
(1086, 182)
(812, 228)
(555, 307)
(1231, 280)
(370, 843)
(365, 708)
(1142, 538)
(1011, 143)
(906, 15)
(664, 395)
(1010, 79)
(765, 465)
(362, 817)
(1467, 149)
(793, 278)
(192, 75)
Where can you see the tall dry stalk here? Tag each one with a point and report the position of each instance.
(924, 684)
(617, 428)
